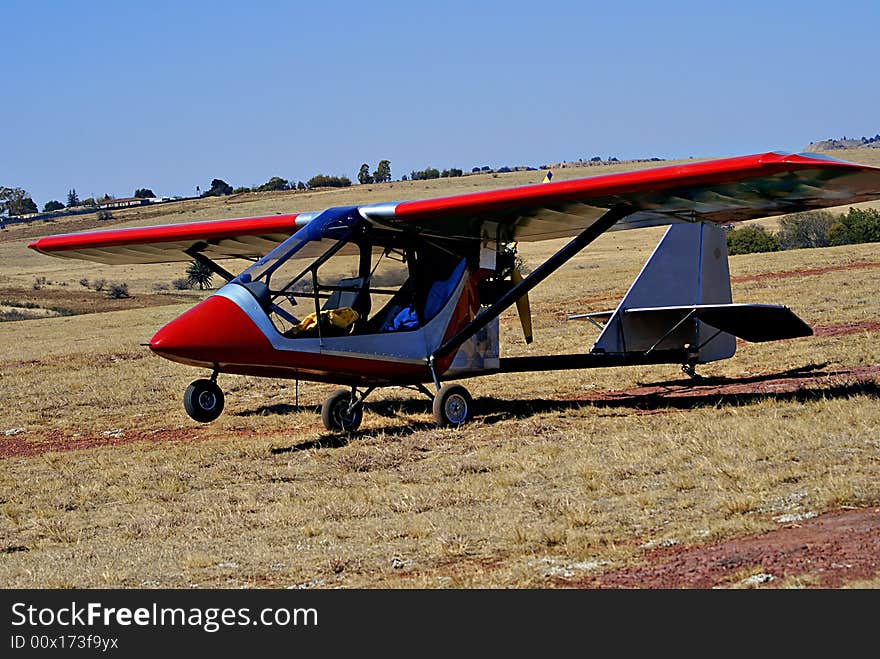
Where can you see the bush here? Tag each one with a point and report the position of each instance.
(425, 174)
(84, 282)
(199, 274)
(117, 291)
(12, 314)
(105, 215)
(99, 284)
(750, 240)
(160, 287)
(809, 229)
(182, 284)
(859, 225)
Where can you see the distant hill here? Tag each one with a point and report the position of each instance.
(846, 143)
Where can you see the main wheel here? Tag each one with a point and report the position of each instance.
(203, 401)
(452, 405)
(337, 416)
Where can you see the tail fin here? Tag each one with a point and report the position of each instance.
(688, 267)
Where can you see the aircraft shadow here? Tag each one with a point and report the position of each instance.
(806, 372)
(682, 394)
(278, 409)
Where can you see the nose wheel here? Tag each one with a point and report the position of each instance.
(343, 411)
(203, 400)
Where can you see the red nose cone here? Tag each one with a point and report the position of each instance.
(214, 331)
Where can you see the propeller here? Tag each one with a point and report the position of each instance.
(522, 306)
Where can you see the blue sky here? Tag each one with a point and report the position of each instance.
(106, 97)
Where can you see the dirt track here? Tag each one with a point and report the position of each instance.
(827, 551)
(803, 272)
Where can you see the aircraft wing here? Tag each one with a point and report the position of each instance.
(217, 239)
(721, 191)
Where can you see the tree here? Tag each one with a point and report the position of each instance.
(143, 193)
(219, 187)
(72, 198)
(383, 172)
(16, 201)
(364, 175)
(52, 206)
(808, 229)
(300, 185)
(323, 181)
(198, 274)
(859, 225)
(274, 183)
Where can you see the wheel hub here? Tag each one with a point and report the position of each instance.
(456, 409)
(207, 400)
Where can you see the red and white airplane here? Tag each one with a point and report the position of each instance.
(409, 293)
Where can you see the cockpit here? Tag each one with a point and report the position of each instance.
(339, 275)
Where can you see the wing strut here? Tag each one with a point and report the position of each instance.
(548, 267)
(196, 252)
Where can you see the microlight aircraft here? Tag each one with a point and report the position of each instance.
(409, 293)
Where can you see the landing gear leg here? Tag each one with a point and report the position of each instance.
(690, 370)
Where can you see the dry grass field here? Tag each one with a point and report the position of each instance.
(578, 478)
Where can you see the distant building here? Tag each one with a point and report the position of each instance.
(123, 203)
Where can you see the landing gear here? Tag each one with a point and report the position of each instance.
(343, 411)
(690, 370)
(203, 400)
(452, 405)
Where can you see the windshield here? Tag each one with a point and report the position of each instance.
(330, 227)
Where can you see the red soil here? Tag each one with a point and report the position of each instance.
(847, 328)
(25, 445)
(827, 551)
(803, 273)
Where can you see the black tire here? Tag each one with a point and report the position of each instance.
(453, 405)
(203, 401)
(336, 415)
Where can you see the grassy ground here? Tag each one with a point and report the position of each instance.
(543, 484)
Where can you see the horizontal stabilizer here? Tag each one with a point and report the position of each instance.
(751, 322)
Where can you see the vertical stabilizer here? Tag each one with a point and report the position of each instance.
(688, 267)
